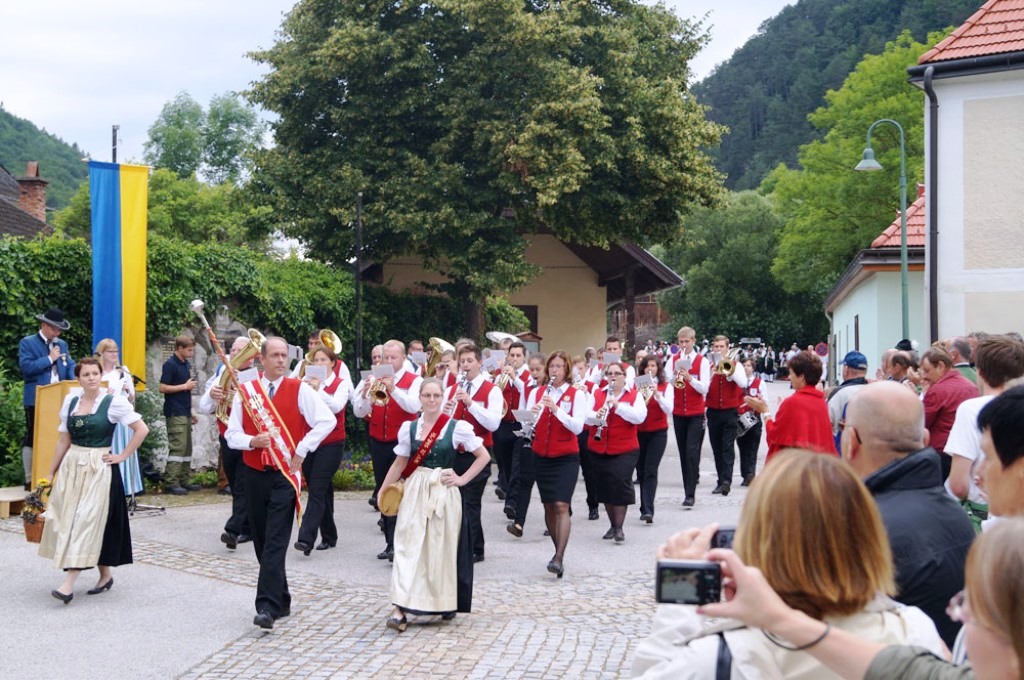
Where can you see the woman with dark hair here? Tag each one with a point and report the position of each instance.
(652, 434)
(87, 519)
(802, 420)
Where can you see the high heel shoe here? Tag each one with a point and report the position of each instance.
(556, 568)
(399, 624)
(62, 597)
(99, 589)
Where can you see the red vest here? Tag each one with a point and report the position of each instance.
(511, 396)
(657, 419)
(619, 436)
(551, 439)
(462, 413)
(338, 433)
(724, 394)
(286, 401)
(753, 390)
(386, 420)
(688, 401)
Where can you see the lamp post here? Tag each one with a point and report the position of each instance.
(868, 164)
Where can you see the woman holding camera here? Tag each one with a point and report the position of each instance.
(811, 527)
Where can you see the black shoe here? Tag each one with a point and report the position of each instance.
(619, 535)
(747, 479)
(383, 555)
(283, 615)
(499, 492)
(101, 589)
(306, 548)
(263, 619)
(718, 489)
(547, 533)
(229, 539)
(380, 524)
(593, 514)
(226, 491)
(515, 529)
(726, 488)
(193, 487)
(510, 512)
(556, 568)
(178, 490)
(447, 616)
(478, 557)
(647, 517)
(28, 486)
(610, 534)
(244, 538)
(324, 545)
(688, 502)
(373, 503)
(398, 624)
(62, 597)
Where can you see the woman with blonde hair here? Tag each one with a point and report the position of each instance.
(810, 526)
(120, 382)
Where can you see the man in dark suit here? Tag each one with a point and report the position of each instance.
(43, 359)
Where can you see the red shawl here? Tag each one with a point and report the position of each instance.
(802, 422)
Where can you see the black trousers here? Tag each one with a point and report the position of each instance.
(270, 502)
(652, 448)
(689, 438)
(382, 454)
(525, 479)
(472, 498)
(587, 466)
(504, 443)
(234, 468)
(318, 469)
(30, 426)
(748, 445)
(512, 493)
(722, 433)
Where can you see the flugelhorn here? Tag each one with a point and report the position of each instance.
(727, 365)
(379, 393)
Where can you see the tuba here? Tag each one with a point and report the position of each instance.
(248, 352)
(438, 346)
(328, 338)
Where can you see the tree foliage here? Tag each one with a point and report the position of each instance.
(725, 257)
(765, 92)
(832, 211)
(59, 163)
(470, 123)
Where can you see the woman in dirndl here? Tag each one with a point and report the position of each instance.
(119, 381)
(433, 567)
(87, 518)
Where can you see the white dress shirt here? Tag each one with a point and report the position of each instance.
(463, 437)
(635, 413)
(319, 418)
(701, 382)
(489, 414)
(409, 399)
(580, 406)
(337, 401)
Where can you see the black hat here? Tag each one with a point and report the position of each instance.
(904, 345)
(54, 317)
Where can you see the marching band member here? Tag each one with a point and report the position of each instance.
(301, 416)
(236, 529)
(414, 346)
(320, 465)
(725, 394)
(525, 477)
(614, 446)
(512, 375)
(445, 369)
(690, 373)
(340, 369)
(750, 440)
(401, 405)
(478, 402)
(561, 411)
(612, 345)
(652, 435)
(377, 355)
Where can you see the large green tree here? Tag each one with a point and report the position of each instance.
(832, 211)
(725, 257)
(469, 124)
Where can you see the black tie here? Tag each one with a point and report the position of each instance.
(270, 392)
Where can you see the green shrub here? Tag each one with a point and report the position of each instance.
(12, 430)
(206, 479)
(354, 476)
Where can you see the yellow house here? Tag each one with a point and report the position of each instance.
(567, 303)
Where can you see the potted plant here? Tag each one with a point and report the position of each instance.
(32, 515)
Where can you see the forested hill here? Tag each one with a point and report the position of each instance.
(60, 163)
(764, 92)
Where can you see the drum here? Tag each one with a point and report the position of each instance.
(746, 421)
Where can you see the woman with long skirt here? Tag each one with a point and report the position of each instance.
(652, 434)
(433, 568)
(87, 518)
(119, 381)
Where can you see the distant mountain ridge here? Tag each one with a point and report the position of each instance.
(765, 91)
(59, 162)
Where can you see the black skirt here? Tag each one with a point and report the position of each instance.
(556, 477)
(613, 477)
(116, 548)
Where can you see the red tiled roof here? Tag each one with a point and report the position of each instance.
(890, 238)
(996, 28)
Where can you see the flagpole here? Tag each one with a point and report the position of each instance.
(113, 143)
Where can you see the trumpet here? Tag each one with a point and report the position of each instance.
(379, 393)
(727, 365)
(647, 392)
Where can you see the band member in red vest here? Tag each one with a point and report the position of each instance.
(725, 394)
(614, 446)
(595, 380)
(340, 369)
(561, 411)
(749, 440)
(524, 476)
(320, 466)
(301, 418)
(478, 402)
(692, 371)
(236, 529)
(612, 345)
(510, 381)
(402, 405)
(652, 435)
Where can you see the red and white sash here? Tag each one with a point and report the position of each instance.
(282, 446)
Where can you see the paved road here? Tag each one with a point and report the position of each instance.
(185, 608)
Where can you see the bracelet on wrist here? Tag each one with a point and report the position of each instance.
(774, 640)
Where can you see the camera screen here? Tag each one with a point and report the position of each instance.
(681, 582)
(723, 538)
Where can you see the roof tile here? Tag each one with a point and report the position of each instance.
(890, 238)
(996, 28)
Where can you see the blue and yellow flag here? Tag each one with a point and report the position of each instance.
(119, 198)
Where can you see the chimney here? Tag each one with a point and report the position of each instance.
(33, 192)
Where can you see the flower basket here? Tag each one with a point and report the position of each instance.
(34, 530)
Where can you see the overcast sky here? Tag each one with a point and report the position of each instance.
(75, 67)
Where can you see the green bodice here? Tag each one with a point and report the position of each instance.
(442, 453)
(92, 431)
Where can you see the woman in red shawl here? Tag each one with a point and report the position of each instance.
(802, 421)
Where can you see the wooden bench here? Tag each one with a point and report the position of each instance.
(12, 500)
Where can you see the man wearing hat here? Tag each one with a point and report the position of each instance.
(43, 359)
(855, 368)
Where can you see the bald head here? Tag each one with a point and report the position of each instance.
(884, 421)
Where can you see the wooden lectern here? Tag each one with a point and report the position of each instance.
(44, 441)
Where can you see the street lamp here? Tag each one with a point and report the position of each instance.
(869, 164)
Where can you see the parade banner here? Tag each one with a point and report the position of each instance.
(118, 197)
